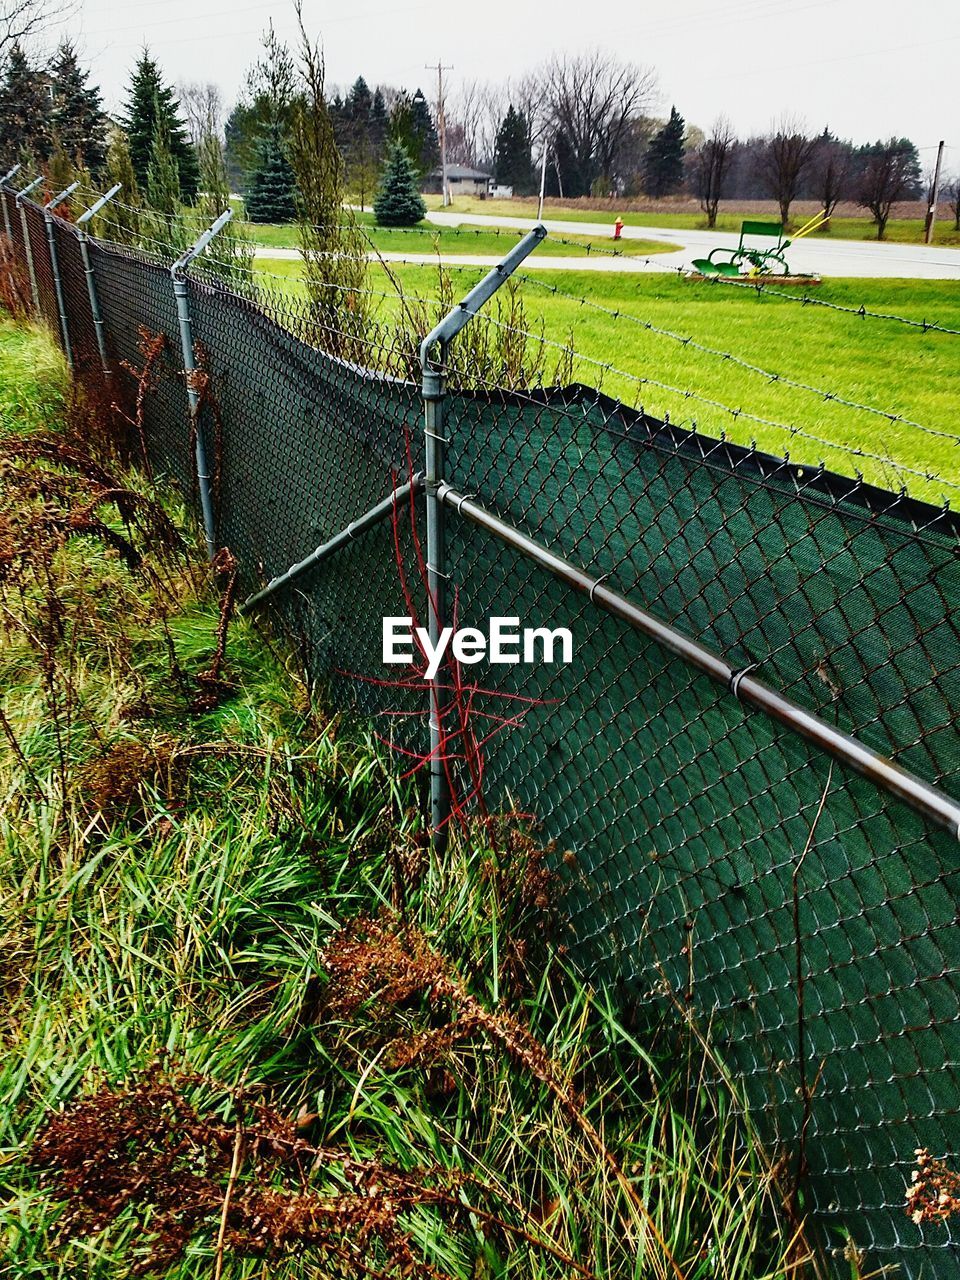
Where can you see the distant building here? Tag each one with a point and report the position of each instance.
(461, 180)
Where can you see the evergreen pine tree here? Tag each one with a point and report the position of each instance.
(565, 175)
(122, 216)
(60, 171)
(359, 101)
(411, 125)
(77, 119)
(425, 132)
(233, 256)
(663, 163)
(162, 222)
(513, 163)
(398, 202)
(379, 120)
(163, 175)
(271, 194)
(24, 112)
(362, 154)
(152, 107)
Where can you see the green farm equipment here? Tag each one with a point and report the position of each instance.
(755, 255)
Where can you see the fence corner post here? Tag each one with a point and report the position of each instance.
(55, 267)
(189, 367)
(433, 391)
(95, 312)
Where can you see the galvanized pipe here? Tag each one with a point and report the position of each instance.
(432, 391)
(55, 267)
(189, 366)
(26, 240)
(437, 341)
(928, 801)
(95, 312)
(3, 191)
(326, 549)
(193, 401)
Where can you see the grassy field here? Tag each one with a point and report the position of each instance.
(899, 230)
(450, 240)
(250, 1026)
(881, 364)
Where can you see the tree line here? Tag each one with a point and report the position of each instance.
(589, 116)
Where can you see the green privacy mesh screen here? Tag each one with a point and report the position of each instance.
(823, 970)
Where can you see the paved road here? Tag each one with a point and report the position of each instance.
(856, 258)
(862, 258)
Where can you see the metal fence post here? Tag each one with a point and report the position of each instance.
(432, 391)
(189, 366)
(55, 268)
(95, 311)
(26, 240)
(3, 190)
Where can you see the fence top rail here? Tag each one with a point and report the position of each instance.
(931, 803)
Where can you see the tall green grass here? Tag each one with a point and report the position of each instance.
(172, 867)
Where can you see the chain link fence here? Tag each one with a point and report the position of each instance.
(718, 867)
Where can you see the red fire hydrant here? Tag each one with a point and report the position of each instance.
(617, 228)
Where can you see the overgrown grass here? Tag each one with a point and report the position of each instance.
(887, 366)
(33, 377)
(182, 842)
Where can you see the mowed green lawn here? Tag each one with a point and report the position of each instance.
(427, 238)
(899, 230)
(879, 363)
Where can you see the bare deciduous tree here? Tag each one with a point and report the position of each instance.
(831, 167)
(592, 99)
(887, 176)
(21, 20)
(202, 108)
(711, 167)
(469, 114)
(785, 160)
(952, 192)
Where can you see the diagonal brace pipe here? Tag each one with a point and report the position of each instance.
(367, 521)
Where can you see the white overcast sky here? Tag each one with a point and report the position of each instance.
(866, 68)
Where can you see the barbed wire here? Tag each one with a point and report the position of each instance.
(608, 368)
(759, 287)
(644, 380)
(730, 357)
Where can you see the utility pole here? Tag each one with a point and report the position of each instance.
(934, 196)
(543, 179)
(439, 68)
